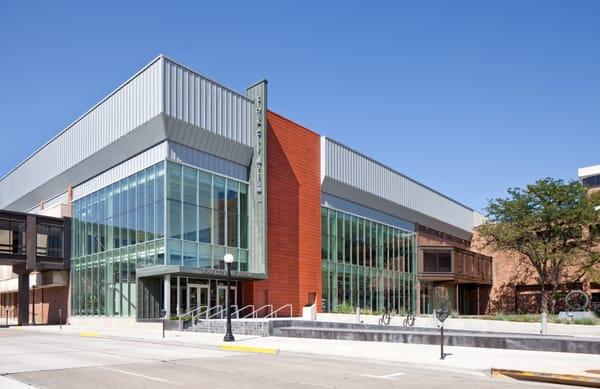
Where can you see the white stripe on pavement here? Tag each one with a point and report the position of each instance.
(383, 377)
(138, 375)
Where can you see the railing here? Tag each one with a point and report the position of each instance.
(220, 312)
(275, 312)
(217, 313)
(254, 313)
(209, 310)
(191, 314)
(238, 311)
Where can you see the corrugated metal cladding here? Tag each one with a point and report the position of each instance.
(197, 100)
(137, 101)
(345, 165)
(163, 101)
(133, 165)
(190, 156)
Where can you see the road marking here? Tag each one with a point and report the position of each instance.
(89, 334)
(138, 375)
(383, 377)
(250, 349)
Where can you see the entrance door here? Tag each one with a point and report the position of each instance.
(221, 291)
(198, 298)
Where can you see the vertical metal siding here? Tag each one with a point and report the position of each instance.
(134, 103)
(354, 169)
(199, 101)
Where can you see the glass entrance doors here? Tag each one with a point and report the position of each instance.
(189, 294)
(198, 298)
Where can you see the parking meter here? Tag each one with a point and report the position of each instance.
(442, 314)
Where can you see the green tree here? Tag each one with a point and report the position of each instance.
(552, 226)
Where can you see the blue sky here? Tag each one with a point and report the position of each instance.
(468, 97)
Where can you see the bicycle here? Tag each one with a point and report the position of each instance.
(409, 320)
(385, 318)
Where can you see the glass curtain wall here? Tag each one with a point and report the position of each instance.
(207, 216)
(115, 231)
(167, 214)
(366, 264)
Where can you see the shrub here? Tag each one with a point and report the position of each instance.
(345, 308)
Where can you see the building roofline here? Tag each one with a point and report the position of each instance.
(83, 115)
(206, 78)
(588, 171)
(398, 173)
(293, 122)
(121, 86)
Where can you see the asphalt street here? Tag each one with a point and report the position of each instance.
(74, 361)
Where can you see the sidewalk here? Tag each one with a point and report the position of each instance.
(458, 358)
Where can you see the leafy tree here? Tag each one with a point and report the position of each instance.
(552, 225)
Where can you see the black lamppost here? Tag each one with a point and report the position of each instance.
(442, 314)
(163, 315)
(228, 258)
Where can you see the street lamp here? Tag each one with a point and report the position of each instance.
(228, 258)
(442, 314)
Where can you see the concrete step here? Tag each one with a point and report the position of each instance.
(486, 340)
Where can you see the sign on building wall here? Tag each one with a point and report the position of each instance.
(257, 197)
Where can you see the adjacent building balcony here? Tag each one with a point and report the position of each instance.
(441, 263)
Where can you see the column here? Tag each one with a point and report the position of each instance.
(23, 303)
(167, 295)
(178, 298)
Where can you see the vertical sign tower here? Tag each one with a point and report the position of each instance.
(258, 181)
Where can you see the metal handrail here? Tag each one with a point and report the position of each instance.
(237, 311)
(200, 313)
(254, 313)
(208, 311)
(279, 309)
(191, 313)
(220, 312)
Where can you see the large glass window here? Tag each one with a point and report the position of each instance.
(174, 217)
(122, 227)
(437, 261)
(105, 225)
(49, 240)
(219, 204)
(190, 204)
(366, 264)
(213, 211)
(12, 237)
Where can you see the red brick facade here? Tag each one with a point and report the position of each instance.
(47, 303)
(294, 218)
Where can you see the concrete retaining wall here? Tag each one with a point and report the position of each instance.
(464, 338)
(242, 327)
(473, 324)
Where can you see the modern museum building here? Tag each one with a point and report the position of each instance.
(131, 209)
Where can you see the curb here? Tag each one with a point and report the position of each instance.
(89, 334)
(564, 379)
(249, 349)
